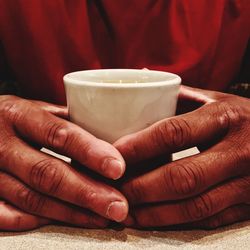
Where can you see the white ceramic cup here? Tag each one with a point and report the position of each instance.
(111, 103)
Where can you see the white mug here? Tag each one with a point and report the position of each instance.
(111, 103)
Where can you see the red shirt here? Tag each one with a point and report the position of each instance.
(41, 40)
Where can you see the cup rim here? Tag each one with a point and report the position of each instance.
(175, 81)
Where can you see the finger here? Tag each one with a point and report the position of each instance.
(13, 219)
(54, 109)
(196, 209)
(202, 96)
(56, 178)
(228, 216)
(198, 95)
(64, 137)
(32, 202)
(234, 214)
(177, 133)
(187, 177)
(190, 99)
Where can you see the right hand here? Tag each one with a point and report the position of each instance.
(37, 186)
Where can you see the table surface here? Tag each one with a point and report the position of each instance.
(234, 237)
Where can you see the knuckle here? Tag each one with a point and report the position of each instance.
(243, 152)
(135, 192)
(179, 131)
(246, 152)
(10, 108)
(86, 198)
(238, 155)
(86, 152)
(3, 150)
(147, 218)
(183, 179)
(130, 148)
(5, 145)
(158, 136)
(6, 101)
(91, 197)
(17, 223)
(58, 135)
(229, 115)
(198, 208)
(239, 150)
(30, 201)
(242, 185)
(171, 132)
(46, 176)
(20, 223)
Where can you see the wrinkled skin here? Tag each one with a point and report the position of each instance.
(206, 190)
(35, 186)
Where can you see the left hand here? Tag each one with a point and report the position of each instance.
(14, 219)
(207, 190)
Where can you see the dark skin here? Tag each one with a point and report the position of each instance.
(35, 183)
(207, 190)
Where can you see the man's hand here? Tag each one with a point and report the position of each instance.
(42, 185)
(205, 190)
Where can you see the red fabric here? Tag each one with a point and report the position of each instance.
(203, 41)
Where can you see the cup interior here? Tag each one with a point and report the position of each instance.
(119, 77)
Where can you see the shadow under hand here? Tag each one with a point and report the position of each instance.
(141, 238)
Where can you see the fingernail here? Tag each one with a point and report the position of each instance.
(117, 211)
(113, 168)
